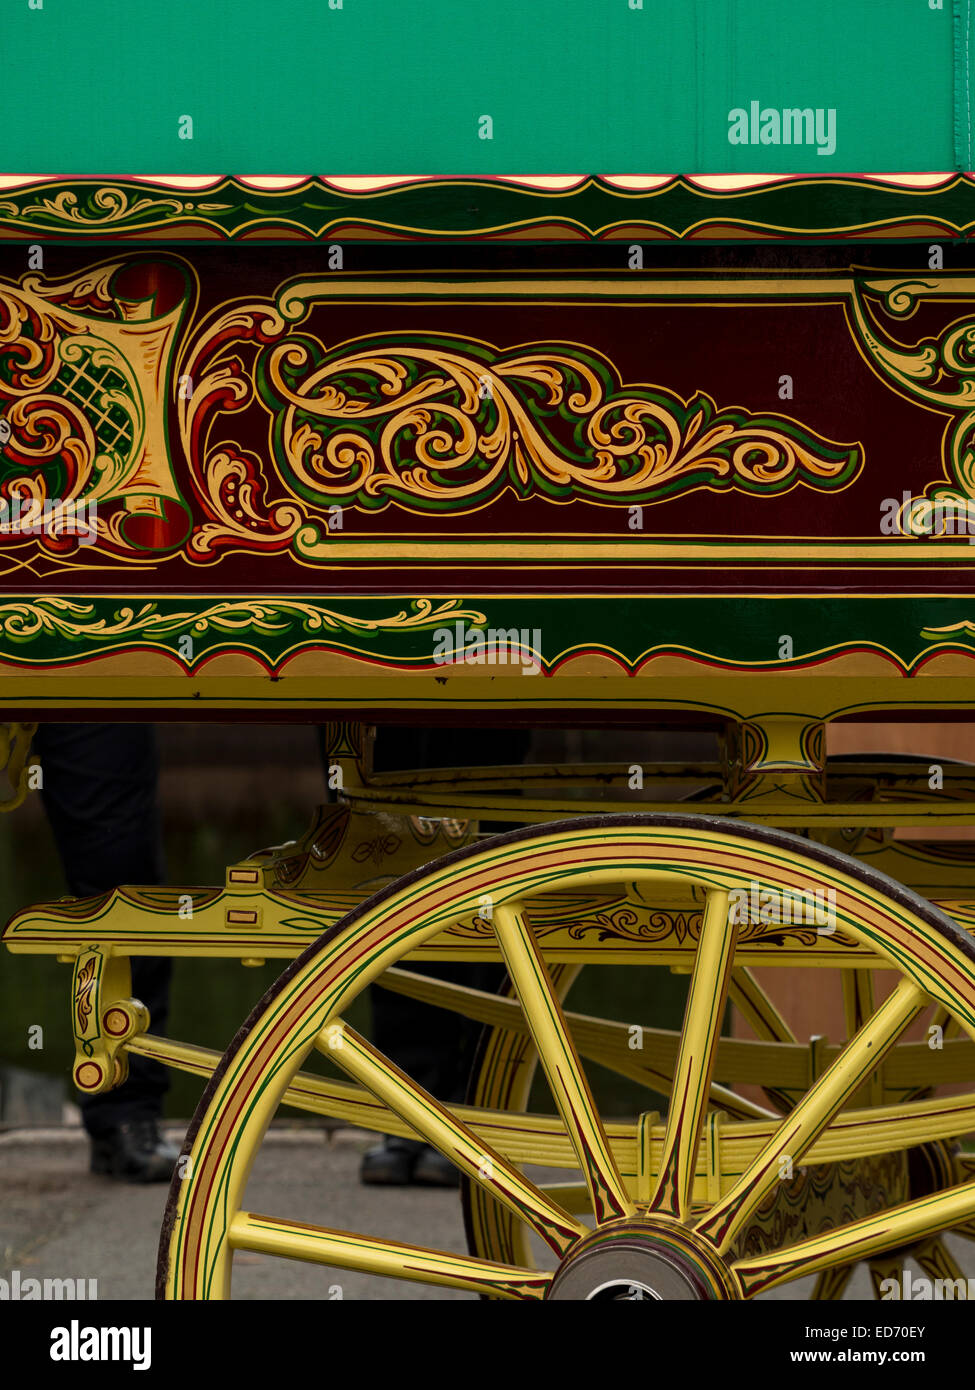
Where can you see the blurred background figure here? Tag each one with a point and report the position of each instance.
(100, 793)
(435, 1047)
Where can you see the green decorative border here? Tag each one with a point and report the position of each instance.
(742, 633)
(462, 207)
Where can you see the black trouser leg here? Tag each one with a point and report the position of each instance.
(99, 792)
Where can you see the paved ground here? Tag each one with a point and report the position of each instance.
(58, 1221)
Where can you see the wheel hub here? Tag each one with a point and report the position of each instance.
(646, 1258)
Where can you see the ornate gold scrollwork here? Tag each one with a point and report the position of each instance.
(103, 1018)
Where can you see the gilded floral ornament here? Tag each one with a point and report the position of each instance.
(446, 425)
(279, 429)
(938, 372)
(961, 633)
(106, 205)
(81, 382)
(22, 620)
(656, 926)
(85, 993)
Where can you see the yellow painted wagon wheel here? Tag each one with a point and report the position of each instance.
(662, 1246)
(503, 1076)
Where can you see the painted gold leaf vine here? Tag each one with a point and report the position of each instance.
(654, 927)
(85, 990)
(106, 205)
(23, 620)
(443, 424)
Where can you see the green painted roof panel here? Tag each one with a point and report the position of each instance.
(374, 87)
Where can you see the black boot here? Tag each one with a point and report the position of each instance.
(391, 1163)
(134, 1152)
(434, 1169)
(404, 1163)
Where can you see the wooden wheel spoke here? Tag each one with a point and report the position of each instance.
(867, 1239)
(560, 1060)
(754, 1005)
(344, 1046)
(695, 1060)
(599, 1040)
(802, 1126)
(550, 888)
(345, 1250)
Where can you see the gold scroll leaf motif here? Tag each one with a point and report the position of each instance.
(232, 483)
(24, 619)
(446, 425)
(625, 924)
(108, 206)
(962, 631)
(426, 830)
(438, 424)
(376, 850)
(654, 928)
(939, 373)
(80, 382)
(83, 997)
